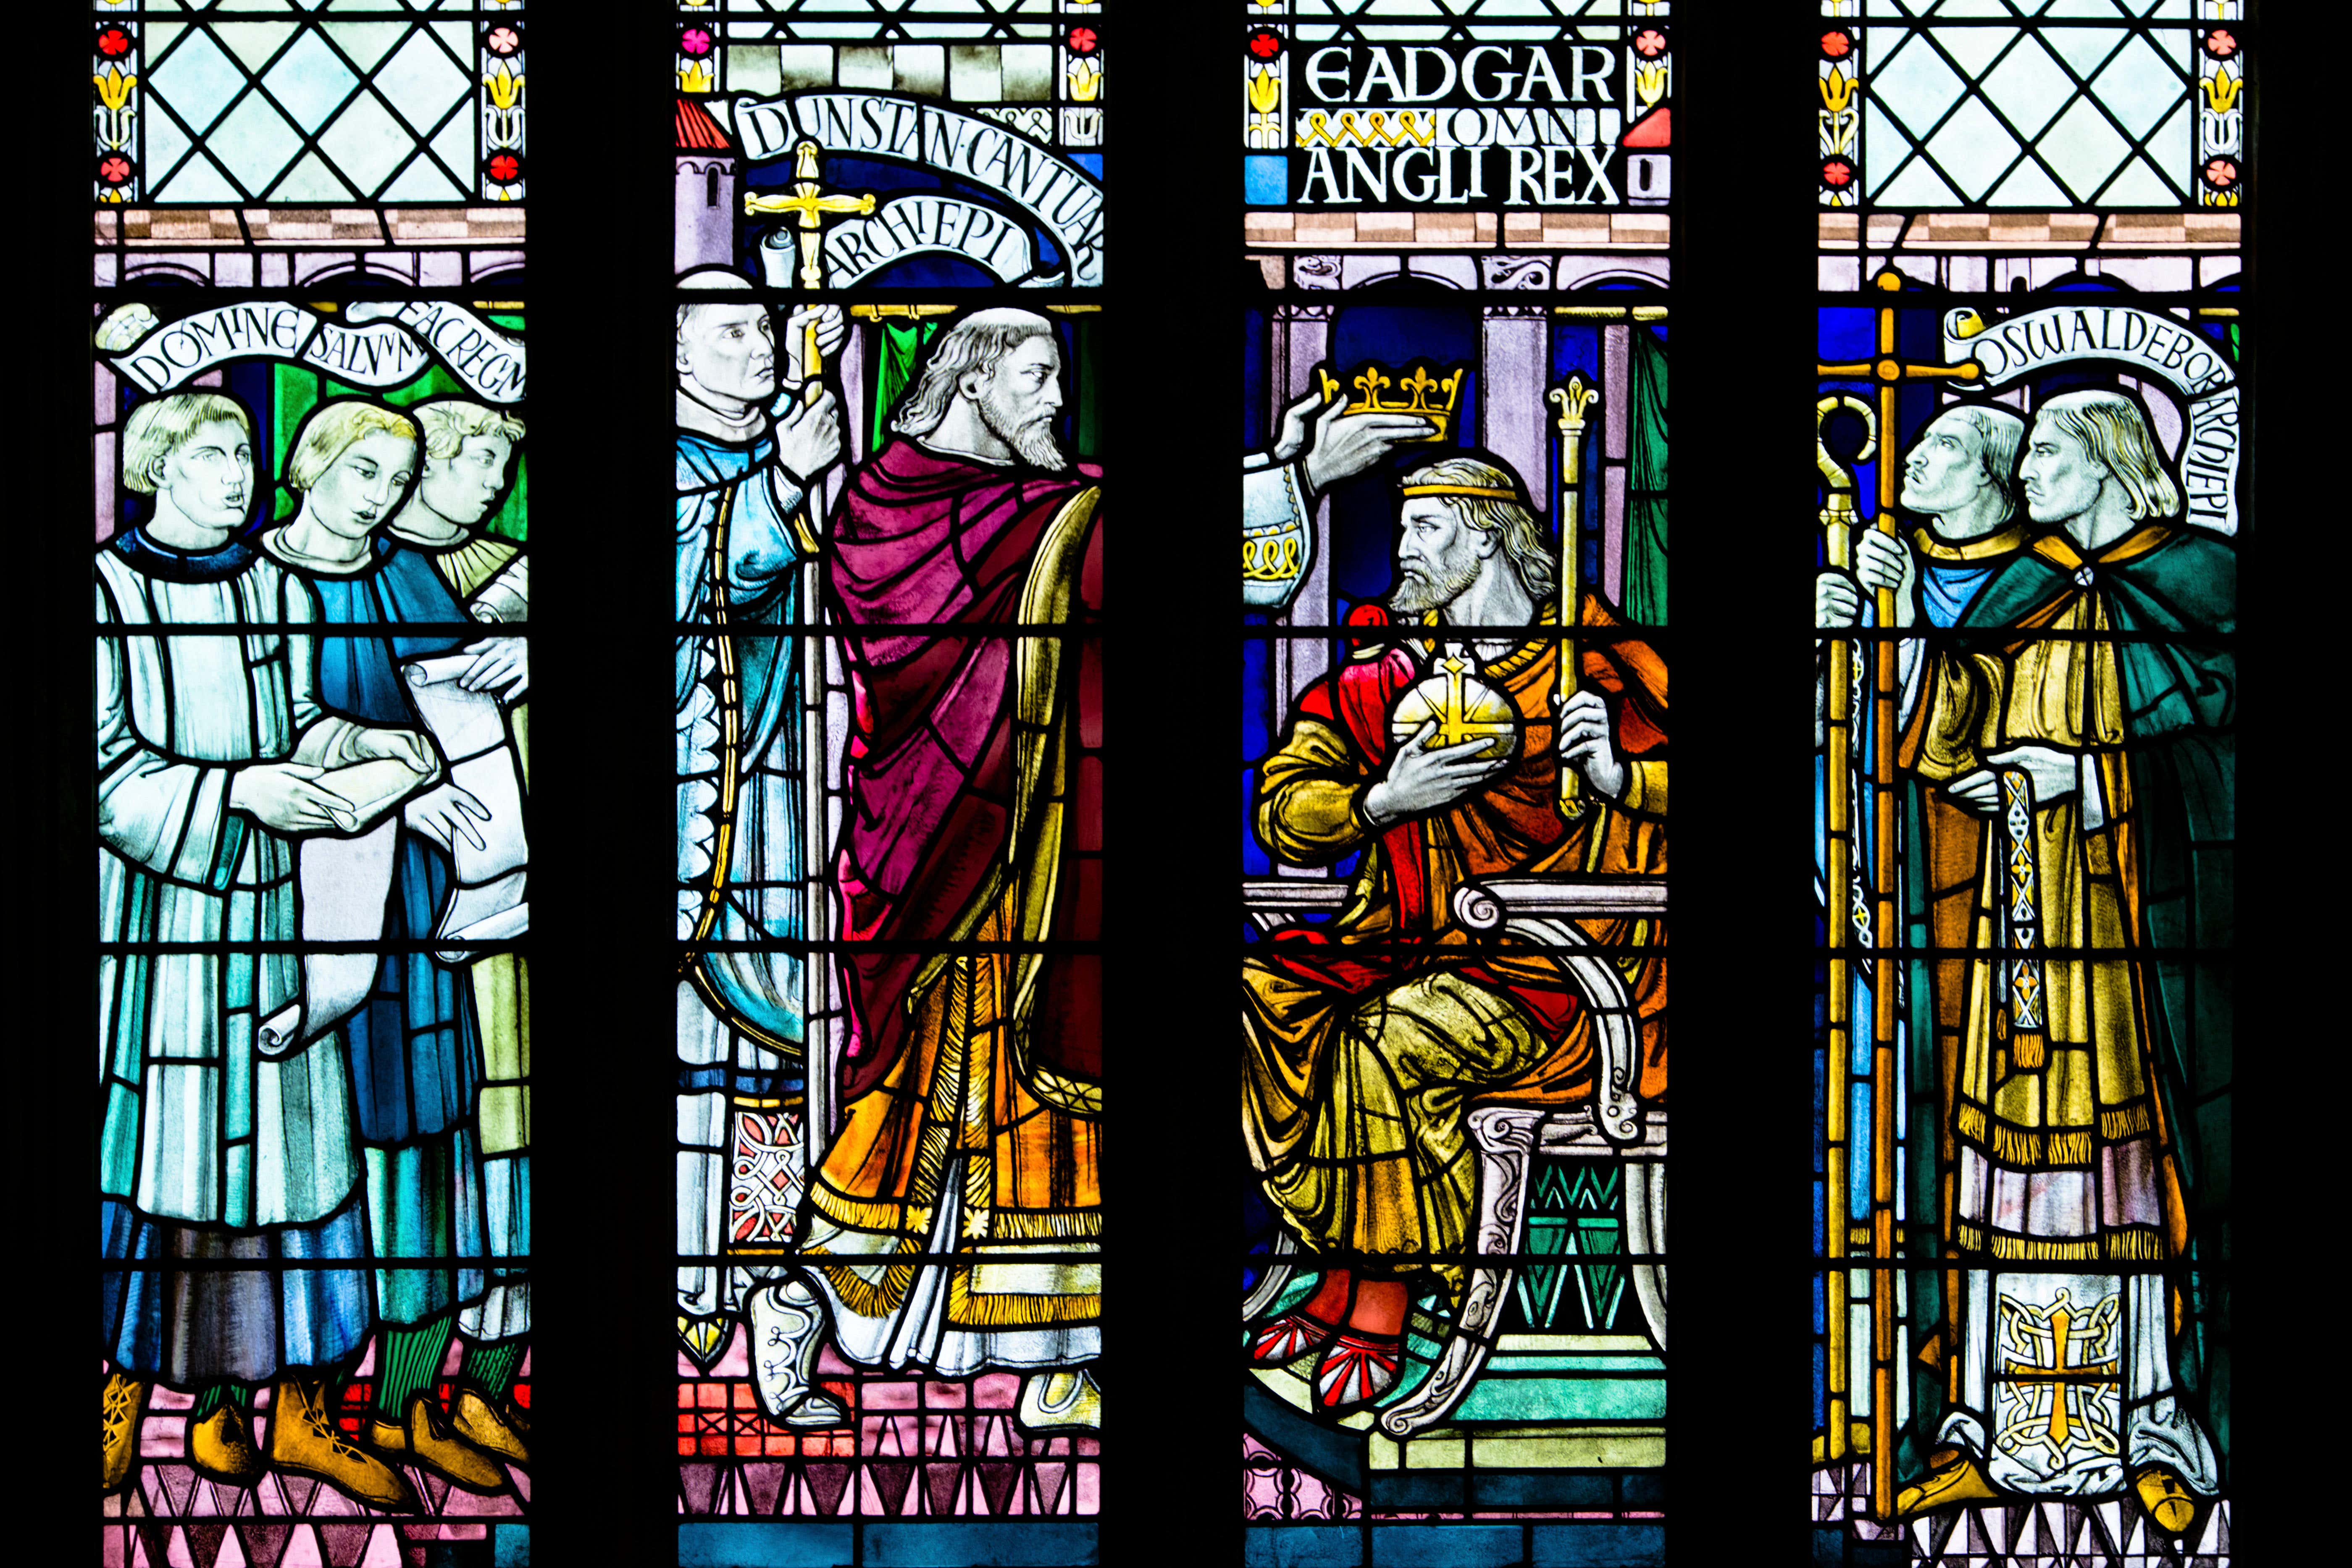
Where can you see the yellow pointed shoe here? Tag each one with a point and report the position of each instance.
(120, 1402)
(303, 1439)
(1957, 1480)
(2171, 1506)
(427, 1439)
(500, 1429)
(220, 1447)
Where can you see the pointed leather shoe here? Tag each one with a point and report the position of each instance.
(1957, 1480)
(220, 1447)
(120, 1402)
(427, 1439)
(2171, 1506)
(502, 1429)
(303, 1439)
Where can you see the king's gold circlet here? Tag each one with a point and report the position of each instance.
(1488, 492)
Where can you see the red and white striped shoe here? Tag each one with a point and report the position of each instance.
(1357, 1370)
(1288, 1336)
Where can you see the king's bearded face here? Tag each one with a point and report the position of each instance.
(1020, 398)
(1438, 556)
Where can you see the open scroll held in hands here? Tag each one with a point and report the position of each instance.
(344, 879)
(489, 901)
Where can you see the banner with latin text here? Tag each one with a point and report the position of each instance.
(370, 345)
(1062, 199)
(2149, 345)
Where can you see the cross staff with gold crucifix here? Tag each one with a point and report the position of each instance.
(809, 204)
(1848, 930)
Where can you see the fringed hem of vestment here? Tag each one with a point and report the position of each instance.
(2133, 1245)
(2033, 1149)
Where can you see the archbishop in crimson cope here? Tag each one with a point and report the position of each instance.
(1365, 1041)
(972, 1074)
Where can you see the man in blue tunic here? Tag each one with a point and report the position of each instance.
(744, 529)
(415, 1043)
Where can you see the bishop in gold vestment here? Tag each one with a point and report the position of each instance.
(2068, 1161)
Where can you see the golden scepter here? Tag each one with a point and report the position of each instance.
(1576, 401)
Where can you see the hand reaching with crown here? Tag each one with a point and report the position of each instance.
(1340, 446)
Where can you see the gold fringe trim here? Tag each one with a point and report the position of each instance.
(1066, 1094)
(2067, 1148)
(1041, 1225)
(2136, 1245)
(967, 1310)
(877, 1216)
(863, 1298)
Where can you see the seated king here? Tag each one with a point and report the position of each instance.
(1435, 753)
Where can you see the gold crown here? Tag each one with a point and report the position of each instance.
(1420, 392)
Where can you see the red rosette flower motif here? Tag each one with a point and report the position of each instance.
(505, 168)
(1083, 40)
(2219, 173)
(114, 168)
(113, 43)
(1649, 43)
(507, 41)
(694, 42)
(1836, 44)
(1265, 45)
(2220, 43)
(1837, 173)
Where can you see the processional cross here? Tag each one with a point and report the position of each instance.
(1851, 928)
(809, 204)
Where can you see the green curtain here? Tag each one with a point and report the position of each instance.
(901, 343)
(1645, 510)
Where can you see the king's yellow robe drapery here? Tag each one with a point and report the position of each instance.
(1364, 1043)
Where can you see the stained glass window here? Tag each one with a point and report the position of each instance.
(203, 105)
(311, 655)
(890, 389)
(2031, 340)
(1454, 576)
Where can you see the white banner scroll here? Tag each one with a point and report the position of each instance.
(387, 346)
(857, 247)
(2152, 346)
(491, 901)
(1064, 198)
(343, 884)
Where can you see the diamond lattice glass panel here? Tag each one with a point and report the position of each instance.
(2103, 114)
(230, 102)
